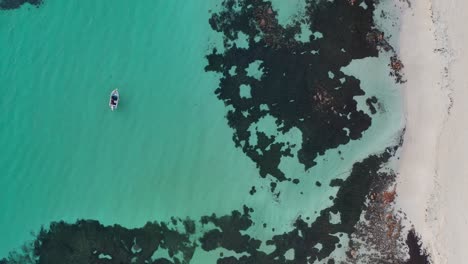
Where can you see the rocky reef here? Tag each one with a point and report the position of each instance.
(301, 85)
(297, 83)
(14, 4)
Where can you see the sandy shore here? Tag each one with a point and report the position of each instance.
(433, 180)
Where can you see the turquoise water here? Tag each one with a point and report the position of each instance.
(65, 155)
(167, 151)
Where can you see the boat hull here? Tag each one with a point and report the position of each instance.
(114, 100)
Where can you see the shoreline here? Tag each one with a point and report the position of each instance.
(431, 181)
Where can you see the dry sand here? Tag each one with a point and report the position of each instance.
(433, 180)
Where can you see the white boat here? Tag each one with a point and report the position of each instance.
(114, 99)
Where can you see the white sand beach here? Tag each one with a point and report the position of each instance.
(433, 174)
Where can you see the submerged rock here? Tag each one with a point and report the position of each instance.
(14, 4)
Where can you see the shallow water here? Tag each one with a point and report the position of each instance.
(167, 150)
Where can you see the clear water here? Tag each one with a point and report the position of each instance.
(167, 151)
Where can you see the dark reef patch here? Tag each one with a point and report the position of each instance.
(91, 242)
(371, 104)
(349, 202)
(417, 255)
(295, 87)
(336, 183)
(252, 190)
(228, 235)
(14, 4)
